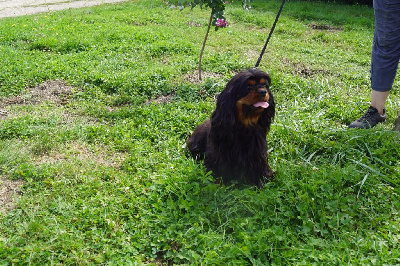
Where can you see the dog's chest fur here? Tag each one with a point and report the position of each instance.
(242, 156)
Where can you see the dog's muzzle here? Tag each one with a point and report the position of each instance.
(262, 92)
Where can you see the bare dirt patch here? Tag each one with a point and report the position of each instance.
(194, 24)
(15, 8)
(56, 91)
(9, 191)
(316, 26)
(53, 90)
(303, 70)
(82, 152)
(161, 99)
(194, 77)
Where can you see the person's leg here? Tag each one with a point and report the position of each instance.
(386, 44)
(384, 60)
(378, 100)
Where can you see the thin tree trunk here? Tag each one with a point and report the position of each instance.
(204, 43)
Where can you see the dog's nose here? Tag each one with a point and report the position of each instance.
(262, 93)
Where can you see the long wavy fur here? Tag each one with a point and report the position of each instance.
(231, 148)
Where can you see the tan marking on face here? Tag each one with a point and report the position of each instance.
(251, 82)
(253, 97)
(246, 119)
(250, 118)
(262, 81)
(250, 98)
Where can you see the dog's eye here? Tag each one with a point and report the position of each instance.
(251, 82)
(262, 81)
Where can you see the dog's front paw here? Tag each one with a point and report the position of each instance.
(268, 176)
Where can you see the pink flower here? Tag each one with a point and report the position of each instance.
(221, 23)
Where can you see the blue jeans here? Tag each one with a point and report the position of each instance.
(386, 46)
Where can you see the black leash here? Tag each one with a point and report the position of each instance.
(270, 34)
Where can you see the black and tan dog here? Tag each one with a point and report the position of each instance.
(233, 141)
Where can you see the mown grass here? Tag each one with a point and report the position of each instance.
(105, 177)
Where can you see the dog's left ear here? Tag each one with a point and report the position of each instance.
(268, 114)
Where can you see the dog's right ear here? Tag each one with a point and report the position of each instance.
(223, 118)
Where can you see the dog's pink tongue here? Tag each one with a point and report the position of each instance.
(261, 104)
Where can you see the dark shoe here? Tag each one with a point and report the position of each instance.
(369, 119)
(397, 124)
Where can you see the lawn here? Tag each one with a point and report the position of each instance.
(96, 105)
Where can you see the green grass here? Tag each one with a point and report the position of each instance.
(106, 180)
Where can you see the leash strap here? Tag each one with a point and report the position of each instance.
(270, 34)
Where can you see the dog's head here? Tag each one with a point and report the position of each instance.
(247, 100)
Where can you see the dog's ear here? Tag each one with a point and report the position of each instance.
(224, 116)
(268, 114)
